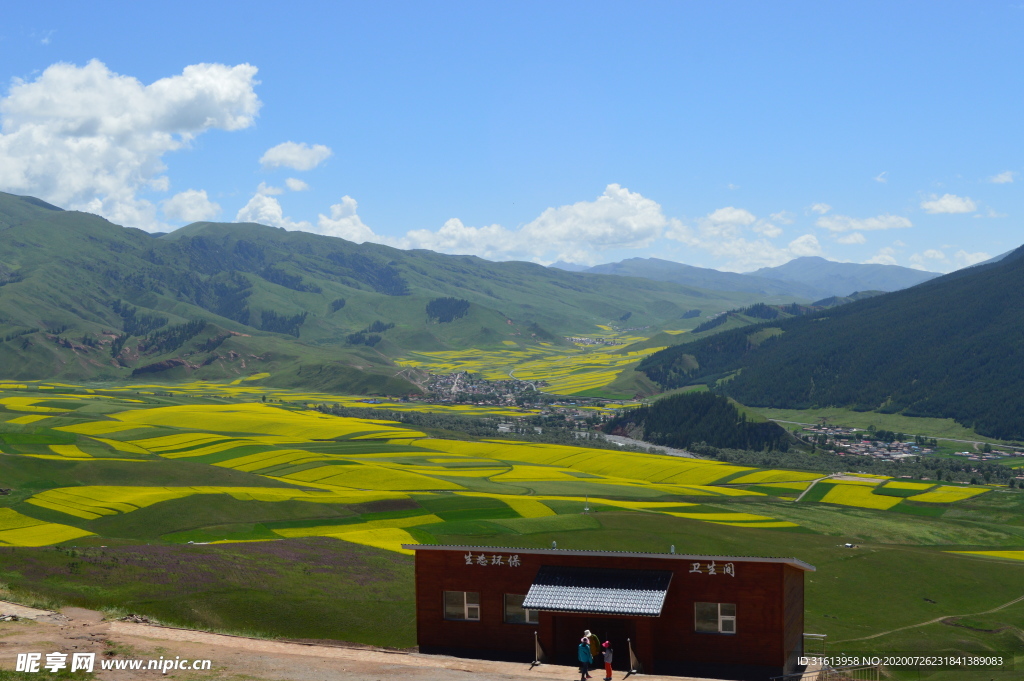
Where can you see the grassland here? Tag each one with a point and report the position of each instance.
(580, 370)
(257, 485)
(897, 423)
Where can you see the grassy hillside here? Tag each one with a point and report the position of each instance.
(948, 348)
(83, 298)
(121, 480)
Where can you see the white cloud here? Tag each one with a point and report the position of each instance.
(881, 177)
(266, 210)
(295, 156)
(492, 241)
(190, 206)
(267, 190)
(852, 238)
(964, 259)
(821, 208)
(344, 222)
(783, 216)
(949, 203)
(296, 185)
(1005, 177)
(89, 139)
(722, 233)
(805, 245)
(767, 229)
(885, 256)
(844, 223)
(617, 218)
(935, 259)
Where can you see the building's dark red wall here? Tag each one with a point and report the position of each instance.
(768, 598)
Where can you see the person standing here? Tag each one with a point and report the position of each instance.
(595, 644)
(585, 658)
(607, 645)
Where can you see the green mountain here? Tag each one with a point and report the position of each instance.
(843, 278)
(951, 347)
(693, 418)
(82, 298)
(702, 277)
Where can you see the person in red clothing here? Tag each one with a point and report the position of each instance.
(607, 646)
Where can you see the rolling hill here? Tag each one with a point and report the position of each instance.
(950, 347)
(844, 278)
(82, 298)
(702, 277)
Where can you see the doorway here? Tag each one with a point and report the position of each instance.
(569, 630)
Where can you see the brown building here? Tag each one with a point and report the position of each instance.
(730, 617)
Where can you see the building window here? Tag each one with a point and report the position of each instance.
(515, 613)
(715, 618)
(462, 605)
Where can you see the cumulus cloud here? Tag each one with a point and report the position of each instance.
(90, 139)
(783, 216)
(821, 208)
(296, 185)
(295, 156)
(344, 222)
(190, 206)
(618, 217)
(767, 229)
(885, 256)
(852, 238)
(264, 209)
(949, 203)
(934, 259)
(268, 190)
(805, 245)
(1005, 177)
(964, 259)
(491, 241)
(581, 232)
(724, 233)
(845, 223)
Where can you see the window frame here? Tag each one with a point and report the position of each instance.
(535, 614)
(469, 607)
(721, 618)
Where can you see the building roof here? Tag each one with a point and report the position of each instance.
(598, 590)
(794, 562)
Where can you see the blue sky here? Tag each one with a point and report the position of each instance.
(732, 135)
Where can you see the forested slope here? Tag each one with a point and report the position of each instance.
(951, 347)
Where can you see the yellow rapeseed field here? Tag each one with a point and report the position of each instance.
(20, 530)
(948, 495)
(1010, 555)
(896, 484)
(771, 476)
(859, 496)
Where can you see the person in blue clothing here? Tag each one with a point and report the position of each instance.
(585, 658)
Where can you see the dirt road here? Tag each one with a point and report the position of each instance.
(75, 630)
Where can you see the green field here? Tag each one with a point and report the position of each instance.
(897, 423)
(109, 486)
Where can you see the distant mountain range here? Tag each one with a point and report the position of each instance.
(844, 278)
(82, 299)
(947, 348)
(808, 278)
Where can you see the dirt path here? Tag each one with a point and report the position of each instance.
(811, 486)
(934, 621)
(236, 657)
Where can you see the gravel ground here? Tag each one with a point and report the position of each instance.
(236, 658)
